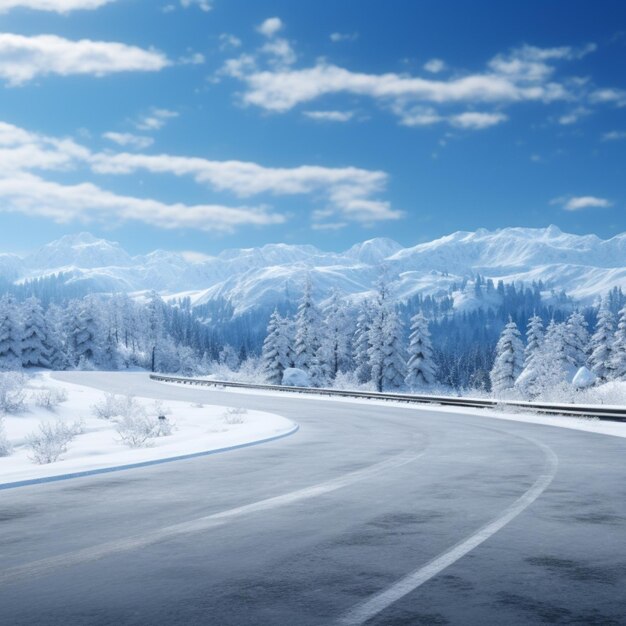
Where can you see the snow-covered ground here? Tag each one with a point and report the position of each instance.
(196, 428)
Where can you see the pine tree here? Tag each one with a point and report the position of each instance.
(10, 335)
(275, 354)
(57, 340)
(618, 359)
(601, 344)
(376, 336)
(394, 359)
(534, 339)
(155, 329)
(308, 339)
(421, 366)
(576, 339)
(361, 344)
(335, 350)
(35, 347)
(84, 333)
(509, 359)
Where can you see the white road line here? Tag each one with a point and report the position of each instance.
(85, 555)
(379, 602)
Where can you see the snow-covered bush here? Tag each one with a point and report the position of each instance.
(12, 392)
(234, 415)
(117, 406)
(165, 426)
(296, 377)
(50, 441)
(50, 398)
(135, 431)
(5, 445)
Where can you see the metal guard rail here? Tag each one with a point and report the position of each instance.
(616, 414)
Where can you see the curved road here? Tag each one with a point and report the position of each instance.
(369, 514)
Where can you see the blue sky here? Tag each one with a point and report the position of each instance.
(200, 125)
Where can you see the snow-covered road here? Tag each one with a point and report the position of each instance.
(340, 522)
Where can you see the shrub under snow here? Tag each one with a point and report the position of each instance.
(117, 406)
(234, 415)
(135, 431)
(50, 398)
(12, 393)
(5, 446)
(50, 441)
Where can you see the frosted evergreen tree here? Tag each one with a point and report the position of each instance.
(576, 338)
(84, 333)
(534, 339)
(35, 347)
(421, 366)
(618, 359)
(376, 335)
(275, 354)
(601, 344)
(335, 349)
(394, 358)
(509, 359)
(555, 344)
(308, 327)
(10, 335)
(361, 344)
(57, 340)
(155, 334)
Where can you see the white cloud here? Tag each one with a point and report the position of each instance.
(228, 41)
(33, 196)
(434, 66)
(24, 58)
(270, 26)
(611, 96)
(477, 120)
(338, 37)
(578, 203)
(575, 115)
(350, 193)
(194, 58)
(524, 74)
(57, 6)
(129, 140)
(329, 116)
(155, 120)
(203, 5)
(280, 52)
(614, 135)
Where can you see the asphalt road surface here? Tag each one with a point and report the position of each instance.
(369, 514)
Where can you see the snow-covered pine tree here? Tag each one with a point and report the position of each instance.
(308, 336)
(601, 344)
(10, 335)
(361, 344)
(85, 333)
(155, 330)
(376, 335)
(576, 338)
(57, 339)
(35, 347)
(534, 339)
(394, 358)
(275, 353)
(335, 350)
(618, 359)
(421, 366)
(509, 359)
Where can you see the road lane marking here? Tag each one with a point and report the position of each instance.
(86, 555)
(368, 609)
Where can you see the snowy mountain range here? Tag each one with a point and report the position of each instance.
(584, 266)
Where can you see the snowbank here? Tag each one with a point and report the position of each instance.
(197, 429)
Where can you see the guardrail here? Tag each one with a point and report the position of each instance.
(616, 414)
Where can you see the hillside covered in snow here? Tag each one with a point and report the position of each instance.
(583, 266)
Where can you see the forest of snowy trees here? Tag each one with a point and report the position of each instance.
(377, 349)
(522, 345)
